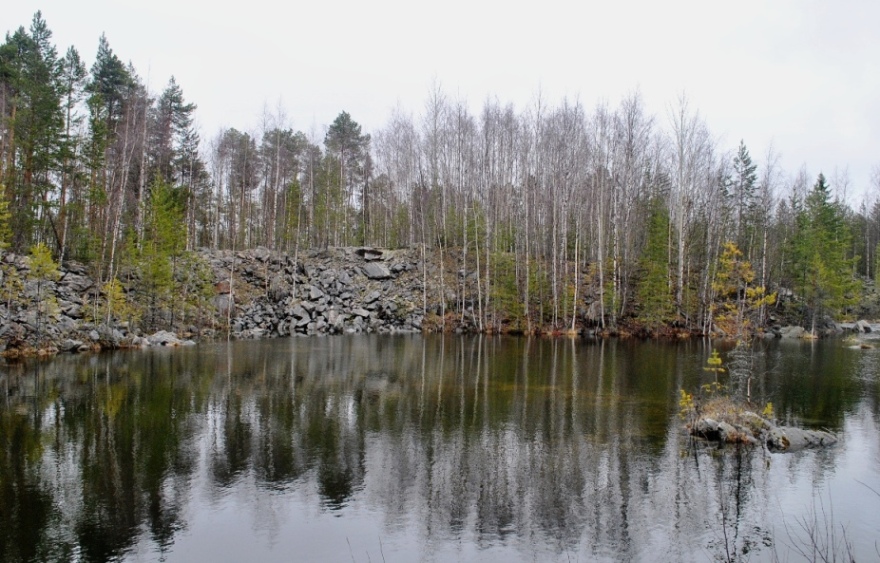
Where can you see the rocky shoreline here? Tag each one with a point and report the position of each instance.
(260, 293)
(257, 294)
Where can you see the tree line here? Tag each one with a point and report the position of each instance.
(555, 215)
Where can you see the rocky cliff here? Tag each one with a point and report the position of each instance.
(257, 293)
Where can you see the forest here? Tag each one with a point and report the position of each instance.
(555, 215)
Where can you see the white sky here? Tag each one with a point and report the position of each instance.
(802, 75)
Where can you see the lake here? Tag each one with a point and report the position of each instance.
(429, 448)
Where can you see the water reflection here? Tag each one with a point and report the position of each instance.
(447, 447)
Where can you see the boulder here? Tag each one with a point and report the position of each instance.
(371, 297)
(369, 253)
(308, 306)
(76, 283)
(863, 326)
(792, 332)
(224, 303)
(375, 271)
(109, 337)
(791, 439)
(299, 312)
(69, 345)
(138, 342)
(164, 338)
(279, 289)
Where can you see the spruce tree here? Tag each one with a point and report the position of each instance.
(158, 256)
(743, 187)
(821, 265)
(654, 293)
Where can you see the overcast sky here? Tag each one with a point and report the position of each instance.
(802, 75)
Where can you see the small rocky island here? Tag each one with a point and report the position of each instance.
(720, 419)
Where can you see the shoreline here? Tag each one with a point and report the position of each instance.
(258, 293)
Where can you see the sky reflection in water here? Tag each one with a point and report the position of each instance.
(432, 448)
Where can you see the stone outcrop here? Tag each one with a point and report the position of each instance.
(333, 291)
(750, 428)
(259, 292)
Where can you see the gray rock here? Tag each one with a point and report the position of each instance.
(76, 283)
(371, 297)
(254, 333)
(309, 307)
(69, 345)
(360, 313)
(376, 271)
(299, 312)
(262, 253)
(863, 326)
(70, 309)
(224, 304)
(109, 337)
(790, 439)
(279, 289)
(138, 342)
(369, 253)
(792, 332)
(164, 338)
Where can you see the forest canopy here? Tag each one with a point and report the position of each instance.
(564, 213)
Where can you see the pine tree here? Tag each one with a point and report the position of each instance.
(349, 147)
(110, 80)
(29, 67)
(72, 88)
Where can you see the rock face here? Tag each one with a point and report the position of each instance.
(260, 292)
(334, 291)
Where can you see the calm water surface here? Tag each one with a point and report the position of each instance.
(378, 448)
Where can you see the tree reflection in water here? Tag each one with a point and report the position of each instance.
(519, 448)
